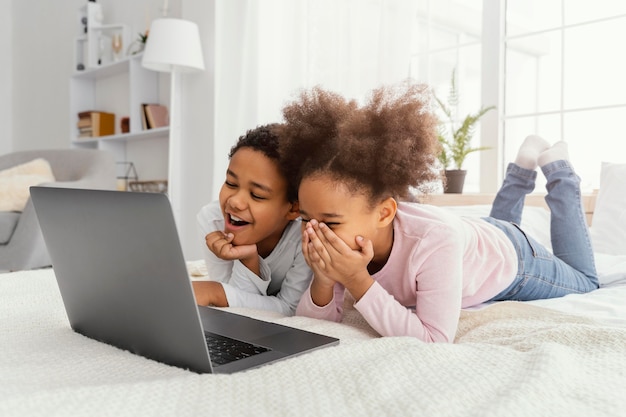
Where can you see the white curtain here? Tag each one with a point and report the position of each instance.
(267, 51)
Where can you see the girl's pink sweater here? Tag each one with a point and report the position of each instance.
(439, 263)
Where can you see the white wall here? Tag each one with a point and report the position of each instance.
(201, 161)
(42, 62)
(43, 34)
(6, 74)
(37, 46)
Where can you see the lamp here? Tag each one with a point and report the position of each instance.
(173, 46)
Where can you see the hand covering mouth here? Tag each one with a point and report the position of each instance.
(236, 221)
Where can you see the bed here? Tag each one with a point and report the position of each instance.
(561, 357)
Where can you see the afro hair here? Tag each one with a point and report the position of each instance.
(384, 148)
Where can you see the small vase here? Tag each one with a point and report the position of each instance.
(135, 47)
(455, 179)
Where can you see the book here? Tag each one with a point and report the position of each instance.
(95, 123)
(84, 134)
(157, 115)
(84, 122)
(102, 124)
(86, 113)
(144, 120)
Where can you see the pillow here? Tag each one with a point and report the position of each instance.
(608, 231)
(16, 181)
(535, 220)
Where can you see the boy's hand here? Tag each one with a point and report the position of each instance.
(209, 293)
(221, 245)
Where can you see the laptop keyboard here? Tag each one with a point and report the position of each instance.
(223, 349)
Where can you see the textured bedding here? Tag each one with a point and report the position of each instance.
(509, 359)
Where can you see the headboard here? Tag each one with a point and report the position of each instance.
(472, 199)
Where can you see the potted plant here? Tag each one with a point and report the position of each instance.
(455, 136)
(139, 44)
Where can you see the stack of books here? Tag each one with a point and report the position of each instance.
(95, 123)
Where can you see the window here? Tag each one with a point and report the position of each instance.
(559, 72)
(564, 78)
(448, 40)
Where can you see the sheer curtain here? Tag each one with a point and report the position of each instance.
(267, 51)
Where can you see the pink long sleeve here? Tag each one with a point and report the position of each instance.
(439, 263)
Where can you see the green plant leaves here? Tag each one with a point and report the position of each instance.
(456, 138)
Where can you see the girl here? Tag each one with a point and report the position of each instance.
(412, 267)
(252, 245)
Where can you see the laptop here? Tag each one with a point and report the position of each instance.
(124, 281)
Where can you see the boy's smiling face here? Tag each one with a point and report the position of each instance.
(254, 200)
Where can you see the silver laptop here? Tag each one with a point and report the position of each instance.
(123, 279)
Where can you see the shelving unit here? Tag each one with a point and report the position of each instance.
(121, 87)
(117, 84)
(93, 45)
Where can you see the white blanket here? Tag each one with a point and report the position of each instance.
(510, 359)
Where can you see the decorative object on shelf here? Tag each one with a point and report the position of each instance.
(455, 139)
(94, 16)
(125, 124)
(138, 45)
(83, 21)
(174, 46)
(155, 186)
(116, 46)
(126, 175)
(101, 49)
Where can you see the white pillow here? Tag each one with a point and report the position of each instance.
(16, 181)
(535, 220)
(608, 231)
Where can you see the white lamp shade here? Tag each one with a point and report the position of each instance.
(173, 44)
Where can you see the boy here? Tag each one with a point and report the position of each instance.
(252, 235)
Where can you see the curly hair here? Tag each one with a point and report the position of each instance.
(381, 149)
(265, 139)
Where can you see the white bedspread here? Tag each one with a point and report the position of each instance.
(510, 359)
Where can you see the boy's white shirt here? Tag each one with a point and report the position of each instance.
(284, 273)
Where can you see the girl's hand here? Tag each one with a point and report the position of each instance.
(332, 259)
(221, 245)
(315, 263)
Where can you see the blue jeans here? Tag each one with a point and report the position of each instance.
(570, 268)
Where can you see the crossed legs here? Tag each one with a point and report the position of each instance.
(568, 228)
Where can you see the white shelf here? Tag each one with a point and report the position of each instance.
(107, 70)
(125, 137)
(121, 87)
(110, 26)
(93, 46)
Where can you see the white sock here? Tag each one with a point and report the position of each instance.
(557, 152)
(529, 151)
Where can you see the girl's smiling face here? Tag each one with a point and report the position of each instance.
(254, 200)
(348, 214)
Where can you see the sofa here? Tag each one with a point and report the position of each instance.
(21, 242)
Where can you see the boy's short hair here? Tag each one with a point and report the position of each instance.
(265, 139)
